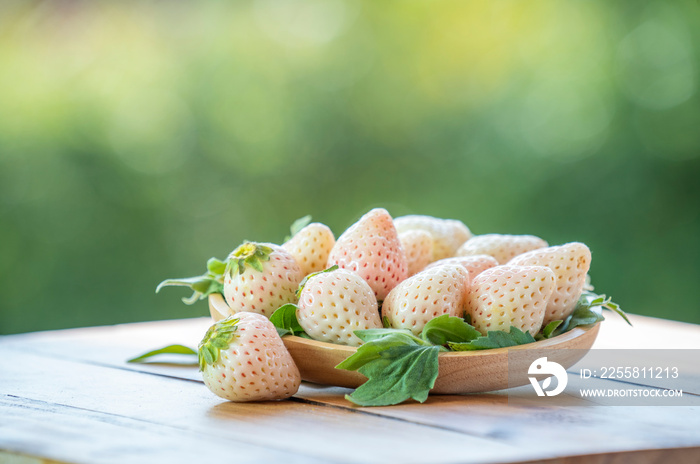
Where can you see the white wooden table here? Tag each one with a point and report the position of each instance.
(69, 396)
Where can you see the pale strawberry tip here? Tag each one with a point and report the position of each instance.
(217, 338)
(302, 284)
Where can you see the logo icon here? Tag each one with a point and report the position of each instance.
(541, 366)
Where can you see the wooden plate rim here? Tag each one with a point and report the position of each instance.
(540, 344)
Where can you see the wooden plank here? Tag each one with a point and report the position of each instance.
(175, 409)
(675, 456)
(568, 430)
(69, 434)
(7, 457)
(647, 333)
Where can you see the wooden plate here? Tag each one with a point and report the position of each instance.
(460, 372)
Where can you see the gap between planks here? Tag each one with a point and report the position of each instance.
(81, 435)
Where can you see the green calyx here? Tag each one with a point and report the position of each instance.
(217, 338)
(249, 254)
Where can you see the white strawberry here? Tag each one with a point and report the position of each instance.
(448, 234)
(570, 263)
(428, 294)
(242, 358)
(310, 247)
(372, 249)
(474, 264)
(260, 277)
(510, 296)
(334, 304)
(500, 246)
(418, 246)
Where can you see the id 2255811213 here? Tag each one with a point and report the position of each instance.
(636, 372)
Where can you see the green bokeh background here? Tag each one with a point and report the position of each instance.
(137, 139)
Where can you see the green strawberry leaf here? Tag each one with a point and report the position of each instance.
(607, 303)
(170, 349)
(588, 311)
(448, 329)
(548, 330)
(583, 316)
(202, 286)
(368, 335)
(297, 226)
(398, 366)
(285, 321)
(401, 373)
(591, 300)
(495, 339)
(374, 342)
(302, 284)
(216, 266)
